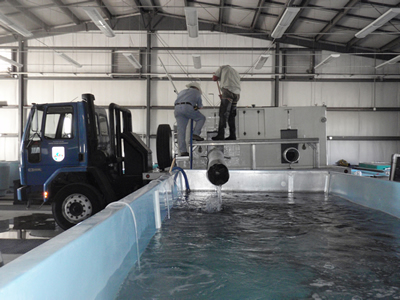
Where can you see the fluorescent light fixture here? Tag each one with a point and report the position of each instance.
(192, 22)
(69, 59)
(261, 61)
(196, 61)
(284, 22)
(22, 31)
(132, 59)
(99, 21)
(382, 20)
(389, 62)
(10, 61)
(327, 60)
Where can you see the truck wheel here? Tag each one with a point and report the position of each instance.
(75, 203)
(164, 146)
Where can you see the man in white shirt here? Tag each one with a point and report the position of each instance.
(186, 108)
(230, 88)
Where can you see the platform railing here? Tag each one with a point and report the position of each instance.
(312, 142)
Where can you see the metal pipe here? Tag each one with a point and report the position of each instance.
(277, 69)
(148, 89)
(253, 157)
(217, 171)
(21, 89)
(291, 155)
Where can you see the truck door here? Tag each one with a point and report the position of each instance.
(58, 146)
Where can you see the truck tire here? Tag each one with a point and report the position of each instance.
(164, 146)
(74, 203)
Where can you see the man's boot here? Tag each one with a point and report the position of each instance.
(232, 124)
(220, 136)
(232, 134)
(224, 111)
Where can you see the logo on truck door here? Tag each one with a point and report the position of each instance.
(58, 153)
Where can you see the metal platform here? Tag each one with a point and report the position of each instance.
(314, 143)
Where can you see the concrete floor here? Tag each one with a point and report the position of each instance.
(23, 228)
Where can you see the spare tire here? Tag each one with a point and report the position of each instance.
(164, 146)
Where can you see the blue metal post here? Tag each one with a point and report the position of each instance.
(191, 144)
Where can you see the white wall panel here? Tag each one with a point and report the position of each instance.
(342, 123)
(121, 92)
(42, 91)
(9, 91)
(379, 124)
(139, 121)
(258, 93)
(162, 92)
(366, 93)
(340, 94)
(9, 120)
(377, 151)
(387, 69)
(206, 39)
(345, 64)
(182, 62)
(91, 61)
(347, 150)
(95, 39)
(9, 148)
(355, 152)
(158, 117)
(387, 94)
(343, 94)
(362, 123)
(296, 93)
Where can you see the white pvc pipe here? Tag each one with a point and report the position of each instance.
(157, 214)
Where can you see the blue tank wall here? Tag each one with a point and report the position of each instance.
(90, 260)
(373, 193)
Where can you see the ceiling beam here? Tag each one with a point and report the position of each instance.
(303, 4)
(336, 19)
(154, 8)
(179, 24)
(257, 14)
(386, 47)
(67, 11)
(170, 22)
(264, 14)
(104, 9)
(378, 4)
(142, 12)
(358, 17)
(389, 46)
(288, 4)
(27, 13)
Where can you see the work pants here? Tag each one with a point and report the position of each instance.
(227, 112)
(184, 113)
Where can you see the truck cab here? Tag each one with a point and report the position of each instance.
(72, 156)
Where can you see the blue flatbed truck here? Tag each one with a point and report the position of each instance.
(80, 158)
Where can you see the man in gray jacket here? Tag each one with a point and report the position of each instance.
(230, 88)
(186, 108)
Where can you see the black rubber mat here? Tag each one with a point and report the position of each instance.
(14, 246)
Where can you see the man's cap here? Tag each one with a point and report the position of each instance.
(195, 85)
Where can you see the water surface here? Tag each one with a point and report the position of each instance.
(270, 246)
